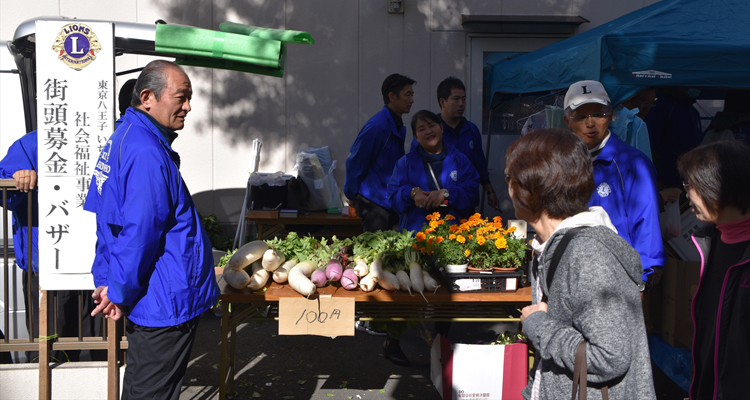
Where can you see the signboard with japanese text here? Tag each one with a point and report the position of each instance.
(75, 117)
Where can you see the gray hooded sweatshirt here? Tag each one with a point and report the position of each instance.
(594, 297)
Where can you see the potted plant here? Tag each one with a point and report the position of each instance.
(438, 239)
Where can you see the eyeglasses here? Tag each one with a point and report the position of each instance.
(597, 116)
(686, 186)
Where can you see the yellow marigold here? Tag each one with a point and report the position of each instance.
(439, 239)
(480, 240)
(420, 236)
(428, 231)
(467, 252)
(500, 243)
(511, 229)
(434, 224)
(497, 220)
(449, 217)
(451, 237)
(476, 216)
(460, 239)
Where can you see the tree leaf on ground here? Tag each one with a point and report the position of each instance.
(301, 381)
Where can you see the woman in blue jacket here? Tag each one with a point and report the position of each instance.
(432, 177)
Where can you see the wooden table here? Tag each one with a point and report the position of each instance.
(270, 224)
(378, 305)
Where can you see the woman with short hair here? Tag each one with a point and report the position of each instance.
(593, 297)
(717, 182)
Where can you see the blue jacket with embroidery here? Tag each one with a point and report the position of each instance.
(372, 157)
(152, 250)
(458, 176)
(626, 189)
(22, 154)
(468, 142)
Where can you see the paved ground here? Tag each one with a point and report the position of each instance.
(311, 367)
(270, 366)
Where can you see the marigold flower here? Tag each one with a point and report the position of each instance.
(451, 237)
(420, 236)
(471, 237)
(480, 240)
(423, 250)
(460, 239)
(415, 247)
(501, 243)
(511, 229)
(439, 239)
(428, 231)
(449, 217)
(497, 220)
(431, 240)
(434, 224)
(467, 252)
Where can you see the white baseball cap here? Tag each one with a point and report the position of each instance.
(586, 92)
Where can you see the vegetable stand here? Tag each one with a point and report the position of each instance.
(378, 305)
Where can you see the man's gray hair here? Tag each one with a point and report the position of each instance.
(154, 78)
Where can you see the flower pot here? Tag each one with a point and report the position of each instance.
(456, 268)
(475, 269)
(500, 269)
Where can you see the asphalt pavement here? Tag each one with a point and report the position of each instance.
(270, 366)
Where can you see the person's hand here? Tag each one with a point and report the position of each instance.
(106, 307)
(25, 179)
(492, 200)
(420, 199)
(528, 310)
(670, 195)
(434, 199)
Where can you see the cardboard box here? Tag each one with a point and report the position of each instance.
(478, 371)
(680, 282)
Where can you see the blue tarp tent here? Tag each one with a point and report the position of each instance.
(698, 43)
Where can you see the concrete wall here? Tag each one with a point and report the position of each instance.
(80, 380)
(328, 91)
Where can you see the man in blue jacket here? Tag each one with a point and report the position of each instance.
(463, 134)
(153, 259)
(625, 177)
(377, 148)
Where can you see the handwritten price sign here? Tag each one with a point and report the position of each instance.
(322, 316)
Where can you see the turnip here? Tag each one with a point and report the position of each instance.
(298, 278)
(403, 280)
(258, 279)
(367, 284)
(349, 279)
(272, 259)
(246, 255)
(319, 278)
(388, 281)
(282, 273)
(361, 268)
(334, 269)
(429, 282)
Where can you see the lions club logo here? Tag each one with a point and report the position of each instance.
(603, 189)
(76, 46)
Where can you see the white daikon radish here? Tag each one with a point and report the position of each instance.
(415, 272)
(258, 279)
(299, 278)
(282, 273)
(429, 282)
(367, 284)
(255, 266)
(376, 270)
(361, 268)
(388, 281)
(272, 259)
(246, 255)
(236, 279)
(403, 280)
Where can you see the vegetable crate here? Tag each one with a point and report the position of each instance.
(481, 281)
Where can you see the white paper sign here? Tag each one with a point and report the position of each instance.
(478, 383)
(75, 117)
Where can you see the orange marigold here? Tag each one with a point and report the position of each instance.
(497, 220)
(439, 239)
(460, 239)
(415, 247)
(501, 243)
(511, 229)
(430, 240)
(451, 237)
(420, 236)
(428, 231)
(449, 217)
(467, 252)
(480, 240)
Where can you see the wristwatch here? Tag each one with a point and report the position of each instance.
(445, 193)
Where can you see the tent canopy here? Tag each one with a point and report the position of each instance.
(697, 43)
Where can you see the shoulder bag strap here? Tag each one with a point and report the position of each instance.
(557, 255)
(580, 380)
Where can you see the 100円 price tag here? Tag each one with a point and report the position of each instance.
(323, 316)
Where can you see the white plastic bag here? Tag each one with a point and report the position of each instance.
(671, 221)
(324, 191)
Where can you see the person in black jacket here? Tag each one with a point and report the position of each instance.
(717, 182)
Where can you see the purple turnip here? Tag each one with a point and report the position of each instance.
(334, 270)
(349, 279)
(319, 277)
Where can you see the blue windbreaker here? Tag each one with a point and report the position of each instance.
(626, 188)
(458, 176)
(372, 157)
(469, 143)
(21, 155)
(152, 250)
